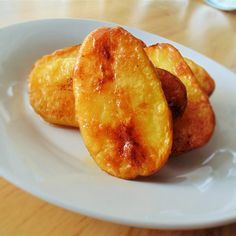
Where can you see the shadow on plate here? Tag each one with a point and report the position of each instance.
(214, 161)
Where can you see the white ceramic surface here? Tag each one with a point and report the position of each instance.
(193, 191)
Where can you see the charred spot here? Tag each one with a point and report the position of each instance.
(175, 110)
(174, 90)
(99, 84)
(68, 85)
(107, 72)
(106, 52)
(104, 49)
(128, 145)
(181, 68)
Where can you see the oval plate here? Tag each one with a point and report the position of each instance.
(194, 191)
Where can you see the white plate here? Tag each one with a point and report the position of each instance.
(193, 191)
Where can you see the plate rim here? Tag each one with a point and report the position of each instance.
(99, 215)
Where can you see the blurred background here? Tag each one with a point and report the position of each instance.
(190, 22)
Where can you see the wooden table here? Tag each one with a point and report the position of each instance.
(191, 23)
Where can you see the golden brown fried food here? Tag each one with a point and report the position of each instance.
(204, 79)
(175, 92)
(121, 108)
(196, 126)
(51, 87)
(51, 90)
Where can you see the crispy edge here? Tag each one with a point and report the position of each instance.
(206, 82)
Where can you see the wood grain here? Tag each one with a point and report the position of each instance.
(191, 23)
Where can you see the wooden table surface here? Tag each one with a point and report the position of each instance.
(191, 23)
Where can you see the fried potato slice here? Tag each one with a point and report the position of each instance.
(196, 126)
(175, 92)
(51, 87)
(121, 108)
(205, 80)
(51, 91)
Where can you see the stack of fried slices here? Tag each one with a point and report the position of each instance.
(135, 105)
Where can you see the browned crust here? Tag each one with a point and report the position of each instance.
(50, 87)
(113, 120)
(195, 127)
(175, 92)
